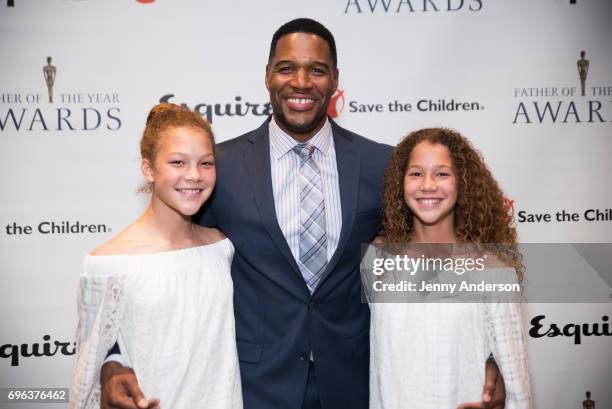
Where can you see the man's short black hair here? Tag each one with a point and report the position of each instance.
(309, 26)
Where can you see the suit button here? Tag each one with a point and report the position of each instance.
(303, 356)
(311, 305)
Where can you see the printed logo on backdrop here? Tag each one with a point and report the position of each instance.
(211, 110)
(429, 105)
(15, 353)
(588, 403)
(241, 108)
(580, 101)
(336, 105)
(565, 216)
(576, 332)
(49, 72)
(509, 205)
(54, 228)
(410, 6)
(53, 106)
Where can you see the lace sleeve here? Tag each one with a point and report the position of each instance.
(100, 303)
(506, 336)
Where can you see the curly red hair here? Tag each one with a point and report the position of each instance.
(162, 117)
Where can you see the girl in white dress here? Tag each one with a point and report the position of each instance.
(437, 189)
(161, 289)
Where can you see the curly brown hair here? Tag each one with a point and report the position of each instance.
(482, 216)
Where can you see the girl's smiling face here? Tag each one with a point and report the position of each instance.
(183, 173)
(430, 186)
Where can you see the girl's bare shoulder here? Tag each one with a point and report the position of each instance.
(208, 235)
(132, 240)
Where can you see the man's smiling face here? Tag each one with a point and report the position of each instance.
(301, 79)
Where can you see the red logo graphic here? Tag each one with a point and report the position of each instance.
(509, 205)
(145, 1)
(336, 99)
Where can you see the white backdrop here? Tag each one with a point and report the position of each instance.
(115, 59)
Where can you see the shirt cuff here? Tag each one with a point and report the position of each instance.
(116, 358)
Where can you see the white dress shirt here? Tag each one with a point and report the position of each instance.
(285, 168)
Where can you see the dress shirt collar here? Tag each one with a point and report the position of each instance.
(281, 142)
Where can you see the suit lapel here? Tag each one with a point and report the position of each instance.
(257, 158)
(348, 162)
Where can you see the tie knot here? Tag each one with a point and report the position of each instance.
(305, 150)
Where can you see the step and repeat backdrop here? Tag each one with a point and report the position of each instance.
(530, 83)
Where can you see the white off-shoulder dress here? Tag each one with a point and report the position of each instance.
(432, 355)
(172, 315)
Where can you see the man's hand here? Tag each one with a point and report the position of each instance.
(493, 392)
(120, 389)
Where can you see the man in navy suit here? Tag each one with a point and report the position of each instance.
(299, 346)
(302, 335)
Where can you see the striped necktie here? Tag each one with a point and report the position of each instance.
(313, 239)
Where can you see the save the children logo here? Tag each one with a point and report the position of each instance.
(54, 227)
(583, 99)
(336, 104)
(52, 105)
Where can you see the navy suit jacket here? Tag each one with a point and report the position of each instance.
(278, 322)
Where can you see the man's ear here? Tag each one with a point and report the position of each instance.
(267, 76)
(147, 170)
(336, 78)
